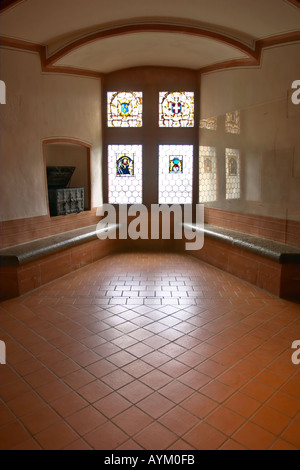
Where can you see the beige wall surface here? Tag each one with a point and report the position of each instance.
(42, 106)
(269, 138)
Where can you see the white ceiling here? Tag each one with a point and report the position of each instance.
(58, 23)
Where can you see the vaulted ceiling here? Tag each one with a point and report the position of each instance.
(102, 36)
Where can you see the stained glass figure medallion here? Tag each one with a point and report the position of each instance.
(125, 166)
(176, 164)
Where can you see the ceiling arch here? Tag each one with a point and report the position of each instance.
(101, 38)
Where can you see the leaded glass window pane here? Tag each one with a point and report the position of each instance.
(176, 109)
(175, 174)
(125, 109)
(125, 174)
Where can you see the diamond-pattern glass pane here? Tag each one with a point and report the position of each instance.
(125, 174)
(175, 174)
(233, 180)
(207, 174)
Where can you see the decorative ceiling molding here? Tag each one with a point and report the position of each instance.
(254, 54)
(149, 28)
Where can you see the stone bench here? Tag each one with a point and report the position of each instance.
(30, 265)
(271, 265)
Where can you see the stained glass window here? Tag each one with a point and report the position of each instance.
(210, 124)
(175, 174)
(232, 122)
(233, 182)
(125, 174)
(207, 174)
(176, 109)
(125, 109)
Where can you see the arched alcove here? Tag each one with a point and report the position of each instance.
(67, 166)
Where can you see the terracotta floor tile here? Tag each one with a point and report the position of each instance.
(30, 444)
(270, 420)
(231, 445)
(149, 346)
(233, 379)
(176, 391)
(132, 421)
(129, 445)
(106, 437)
(211, 368)
(86, 420)
(137, 368)
(271, 379)
(53, 390)
(258, 391)
(78, 445)
(78, 379)
(284, 404)
(242, 404)
(156, 437)
(68, 404)
(179, 421)
(94, 391)
(217, 391)
(56, 437)
(25, 404)
(225, 420)
(155, 405)
(254, 437)
(174, 368)
(292, 434)
(11, 435)
(205, 437)
(111, 405)
(6, 415)
(40, 419)
(135, 391)
(156, 379)
(101, 368)
(194, 379)
(283, 445)
(199, 405)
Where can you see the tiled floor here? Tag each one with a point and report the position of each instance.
(149, 351)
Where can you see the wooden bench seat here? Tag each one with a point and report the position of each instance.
(268, 264)
(30, 265)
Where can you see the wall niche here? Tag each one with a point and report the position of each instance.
(67, 167)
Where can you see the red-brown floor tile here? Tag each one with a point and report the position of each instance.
(132, 421)
(86, 420)
(225, 420)
(156, 437)
(106, 437)
(56, 437)
(254, 437)
(204, 437)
